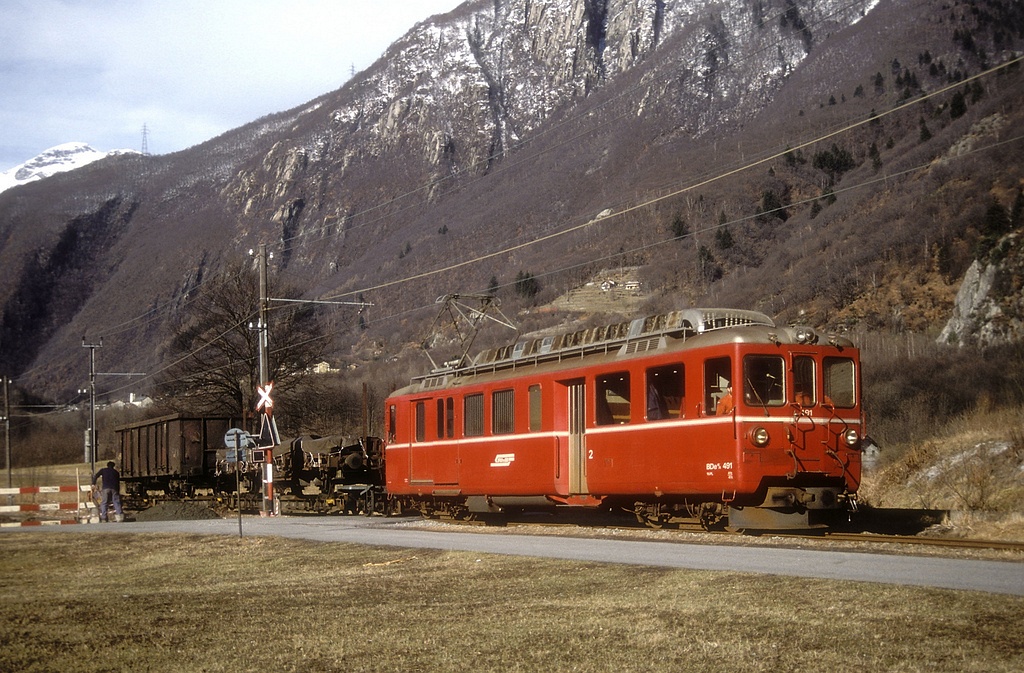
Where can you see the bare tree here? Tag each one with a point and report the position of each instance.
(215, 347)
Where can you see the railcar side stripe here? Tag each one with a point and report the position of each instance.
(623, 427)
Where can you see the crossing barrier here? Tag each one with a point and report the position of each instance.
(81, 504)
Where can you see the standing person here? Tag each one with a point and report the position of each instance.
(110, 490)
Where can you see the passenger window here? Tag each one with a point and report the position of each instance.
(665, 392)
(473, 415)
(763, 380)
(535, 417)
(718, 386)
(449, 417)
(503, 412)
(804, 389)
(445, 418)
(613, 399)
(421, 421)
(840, 383)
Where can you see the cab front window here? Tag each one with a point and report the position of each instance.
(840, 382)
(804, 392)
(763, 380)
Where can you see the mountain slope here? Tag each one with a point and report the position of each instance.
(486, 143)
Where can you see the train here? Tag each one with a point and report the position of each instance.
(715, 416)
(182, 456)
(712, 416)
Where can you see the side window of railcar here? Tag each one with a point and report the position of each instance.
(473, 415)
(391, 422)
(449, 404)
(445, 417)
(503, 412)
(840, 382)
(421, 421)
(718, 386)
(763, 380)
(535, 402)
(804, 390)
(665, 392)
(613, 398)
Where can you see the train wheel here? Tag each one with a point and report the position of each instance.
(650, 522)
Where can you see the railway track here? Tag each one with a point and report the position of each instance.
(695, 533)
(950, 543)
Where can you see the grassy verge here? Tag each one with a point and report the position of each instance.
(192, 603)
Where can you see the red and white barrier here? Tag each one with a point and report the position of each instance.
(31, 490)
(45, 506)
(52, 522)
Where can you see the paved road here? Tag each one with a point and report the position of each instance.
(987, 576)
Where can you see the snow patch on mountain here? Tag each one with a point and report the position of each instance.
(59, 159)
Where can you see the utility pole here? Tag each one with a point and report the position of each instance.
(7, 429)
(264, 310)
(90, 452)
(267, 507)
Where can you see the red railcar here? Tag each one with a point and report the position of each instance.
(640, 415)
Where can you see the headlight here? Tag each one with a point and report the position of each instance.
(805, 335)
(759, 437)
(852, 438)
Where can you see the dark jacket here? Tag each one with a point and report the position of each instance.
(111, 478)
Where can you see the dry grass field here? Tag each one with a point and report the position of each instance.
(169, 603)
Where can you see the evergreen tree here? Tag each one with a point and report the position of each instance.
(526, 285)
(679, 227)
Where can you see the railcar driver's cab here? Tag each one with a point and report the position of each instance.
(769, 382)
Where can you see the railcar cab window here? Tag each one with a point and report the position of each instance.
(840, 382)
(391, 423)
(473, 415)
(665, 392)
(804, 389)
(718, 386)
(612, 399)
(763, 380)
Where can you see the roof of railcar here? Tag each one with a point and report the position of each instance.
(644, 337)
(173, 417)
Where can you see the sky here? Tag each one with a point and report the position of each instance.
(96, 71)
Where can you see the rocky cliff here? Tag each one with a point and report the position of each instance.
(461, 91)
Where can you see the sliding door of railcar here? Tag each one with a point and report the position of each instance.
(420, 467)
(432, 458)
(570, 423)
